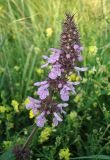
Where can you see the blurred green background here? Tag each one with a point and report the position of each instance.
(28, 28)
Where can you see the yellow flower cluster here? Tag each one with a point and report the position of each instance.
(93, 50)
(2, 109)
(64, 154)
(39, 71)
(26, 101)
(73, 77)
(45, 134)
(77, 98)
(49, 32)
(31, 115)
(15, 105)
(72, 115)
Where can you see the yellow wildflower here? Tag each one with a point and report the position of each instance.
(64, 154)
(39, 71)
(15, 105)
(26, 101)
(2, 109)
(31, 115)
(72, 115)
(73, 77)
(49, 32)
(93, 50)
(45, 134)
(78, 78)
(77, 98)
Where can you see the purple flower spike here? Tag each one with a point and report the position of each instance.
(63, 63)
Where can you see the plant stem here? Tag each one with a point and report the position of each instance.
(29, 138)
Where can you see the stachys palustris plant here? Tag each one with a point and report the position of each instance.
(64, 62)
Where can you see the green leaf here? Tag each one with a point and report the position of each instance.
(8, 155)
(94, 157)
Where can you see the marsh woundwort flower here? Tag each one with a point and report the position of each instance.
(64, 62)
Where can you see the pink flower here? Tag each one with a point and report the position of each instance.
(61, 106)
(52, 75)
(44, 65)
(64, 92)
(78, 48)
(67, 88)
(53, 58)
(73, 83)
(65, 97)
(80, 58)
(78, 69)
(59, 85)
(55, 72)
(33, 104)
(56, 119)
(68, 56)
(71, 86)
(40, 83)
(43, 91)
(83, 69)
(41, 120)
(55, 50)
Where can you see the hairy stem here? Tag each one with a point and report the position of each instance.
(29, 138)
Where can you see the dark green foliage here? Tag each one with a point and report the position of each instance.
(7, 155)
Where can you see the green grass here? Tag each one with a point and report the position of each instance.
(23, 25)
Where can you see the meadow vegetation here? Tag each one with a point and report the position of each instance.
(28, 28)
